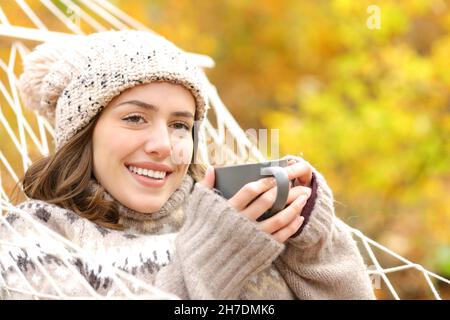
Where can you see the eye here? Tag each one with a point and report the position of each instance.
(182, 125)
(135, 119)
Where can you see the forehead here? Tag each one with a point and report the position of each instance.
(161, 94)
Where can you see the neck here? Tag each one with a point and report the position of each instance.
(168, 218)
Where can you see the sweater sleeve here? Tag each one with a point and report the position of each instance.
(322, 261)
(216, 251)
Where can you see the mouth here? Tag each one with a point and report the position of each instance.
(148, 178)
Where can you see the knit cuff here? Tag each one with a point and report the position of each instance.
(220, 248)
(320, 219)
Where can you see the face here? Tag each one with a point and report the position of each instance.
(142, 144)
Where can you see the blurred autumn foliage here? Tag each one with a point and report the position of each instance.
(369, 108)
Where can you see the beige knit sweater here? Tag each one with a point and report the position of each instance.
(201, 249)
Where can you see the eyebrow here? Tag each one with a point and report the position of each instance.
(151, 107)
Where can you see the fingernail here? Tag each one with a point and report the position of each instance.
(302, 199)
(301, 220)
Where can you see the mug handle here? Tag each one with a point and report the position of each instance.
(282, 187)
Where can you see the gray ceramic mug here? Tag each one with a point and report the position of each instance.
(230, 179)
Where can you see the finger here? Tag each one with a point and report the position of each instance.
(302, 171)
(267, 199)
(261, 204)
(296, 192)
(250, 191)
(292, 159)
(285, 216)
(209, 178)
(284, 234)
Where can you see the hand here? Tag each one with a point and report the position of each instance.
(303, 170)
(209, 178)
(256, 197)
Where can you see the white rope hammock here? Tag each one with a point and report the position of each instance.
(26, 135)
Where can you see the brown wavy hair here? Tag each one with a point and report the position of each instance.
(63, 179)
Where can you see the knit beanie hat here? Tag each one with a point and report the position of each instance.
(70, 81)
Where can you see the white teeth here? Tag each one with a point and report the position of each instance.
(148, 173)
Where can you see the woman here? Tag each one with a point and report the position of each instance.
(124, 186)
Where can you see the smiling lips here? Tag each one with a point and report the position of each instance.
(149, 174)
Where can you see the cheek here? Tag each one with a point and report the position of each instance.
(109, 145)
(182, 151)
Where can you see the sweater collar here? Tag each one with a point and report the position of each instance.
(168, 218)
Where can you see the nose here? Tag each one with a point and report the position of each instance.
(159, 144)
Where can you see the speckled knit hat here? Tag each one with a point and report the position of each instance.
(71, 81)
